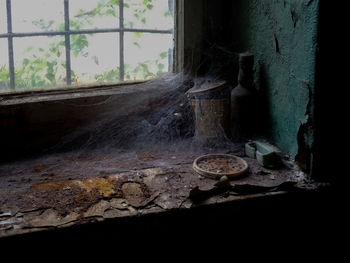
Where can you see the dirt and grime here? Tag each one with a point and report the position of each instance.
(67, 189)
(220, 165)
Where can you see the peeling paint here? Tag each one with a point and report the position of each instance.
(283, 37)
(305, 137)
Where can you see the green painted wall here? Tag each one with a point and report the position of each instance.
(283, 36)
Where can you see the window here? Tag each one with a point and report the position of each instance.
(59, 43)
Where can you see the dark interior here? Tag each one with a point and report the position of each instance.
(217, 31)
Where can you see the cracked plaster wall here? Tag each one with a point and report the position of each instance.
(283, 36)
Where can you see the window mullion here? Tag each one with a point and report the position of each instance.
(10, 45)
(67, 43)
(121, 40)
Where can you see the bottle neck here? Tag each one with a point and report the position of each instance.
(245, 78)
(245, 75)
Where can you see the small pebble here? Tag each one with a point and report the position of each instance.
(223, 178)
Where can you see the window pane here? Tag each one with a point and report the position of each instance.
(39, 62)
(95, 58)
(91, 14)
(3, 17)
(4, 69)
(148, 14)
(146, 55)
(37, 15)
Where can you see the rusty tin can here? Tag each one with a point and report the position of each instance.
(211, 108)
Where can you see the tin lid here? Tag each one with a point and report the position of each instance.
(207, 87)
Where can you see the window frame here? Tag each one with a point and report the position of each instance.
(10, 35)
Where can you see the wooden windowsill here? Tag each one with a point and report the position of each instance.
(70, 93)
(73, 190)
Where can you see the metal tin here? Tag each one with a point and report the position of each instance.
(211, 107)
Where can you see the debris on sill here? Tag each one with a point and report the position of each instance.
(197, 195)
(267, 155)
(53, 198)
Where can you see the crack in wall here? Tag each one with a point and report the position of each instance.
(304, 137)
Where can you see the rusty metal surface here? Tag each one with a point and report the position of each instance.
(47, 195)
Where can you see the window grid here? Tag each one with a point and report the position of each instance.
(67, 33)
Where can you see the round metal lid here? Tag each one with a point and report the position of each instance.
(219, 165)
(208, 86)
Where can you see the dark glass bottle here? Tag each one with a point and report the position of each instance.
(243, 99)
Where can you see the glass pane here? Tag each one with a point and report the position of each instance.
(95, 58)
(3, 17)
(4, 68)
(146, 55)
(37, 15)
(39, 62)
(91, 14)
(149, 14)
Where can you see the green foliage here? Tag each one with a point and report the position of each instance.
(140, 12)
(36, 73)
(108, 8)
(45, 67)
(163, 54)
(147, 69)
(4, 78)
(108, 76)
(77, 43)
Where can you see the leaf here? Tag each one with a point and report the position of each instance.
(25, 62)
(111, 12)
(78, 43)
(28, 49)
(163, 54)
(161, 67)
(114, 2)
(130, 24)
(137, 44)
(168, 13)
(138, 34)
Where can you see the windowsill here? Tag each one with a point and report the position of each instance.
(70, 93)
(69, 190)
